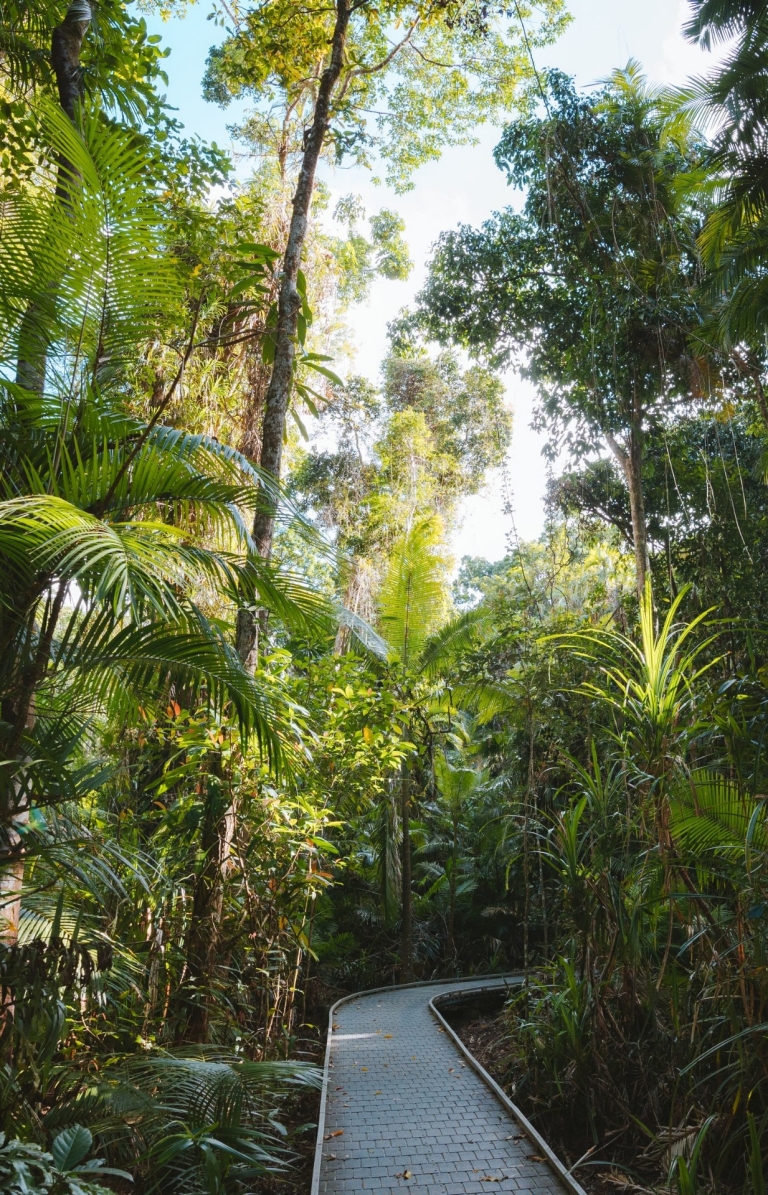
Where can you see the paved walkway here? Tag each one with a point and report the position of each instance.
(404, 1110)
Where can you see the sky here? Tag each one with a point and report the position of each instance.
(463, 187)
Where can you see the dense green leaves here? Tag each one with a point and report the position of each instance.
(200, 842)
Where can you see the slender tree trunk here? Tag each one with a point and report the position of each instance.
(247, 637)
(526, 853)
(288, 307)
(66, 47)
(11, 880)
(204, 934)
(406, 947)
(631, 461)
(289, 300)
(452, 893)
(15, 798)
(749, 363)
(12, 872)
(542, 890)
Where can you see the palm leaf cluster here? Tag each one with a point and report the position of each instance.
(123, 543)
(734, 99)
(124, 551)
(196, 1118)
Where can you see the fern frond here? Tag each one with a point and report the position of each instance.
(413, 600)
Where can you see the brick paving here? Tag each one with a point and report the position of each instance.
(404, 1110)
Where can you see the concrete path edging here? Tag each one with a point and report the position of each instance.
(511, 1109)
(392, 987)
(503, 1098)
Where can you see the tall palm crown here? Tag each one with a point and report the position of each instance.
(735, 97)
(121, 542)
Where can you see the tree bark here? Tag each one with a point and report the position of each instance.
(204, 934)
(406, 947)
(451, 944)
(11, 880)
(66, 47)
(631, 461)
(289, 300)
(288, 307)
(247, 637)
(14, 801)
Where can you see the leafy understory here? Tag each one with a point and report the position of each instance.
(262, 742)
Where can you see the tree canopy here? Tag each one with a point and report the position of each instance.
(263, 741)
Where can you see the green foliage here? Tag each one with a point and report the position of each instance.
(403, 454)
(733, 97)
(26, 1169)
(360, 260)
(564, 778)
(652, 681)
(464, 411)
(122, 513)
(588, 276)
(122, 62)
(413, 593)
(417, 84)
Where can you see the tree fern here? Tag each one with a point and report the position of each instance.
(413, 600)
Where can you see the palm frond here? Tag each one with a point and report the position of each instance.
(457, 637)
(413, 599)
(711, 817)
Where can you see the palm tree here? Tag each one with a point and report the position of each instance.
(123, 543)
(457, 785)
(734, 97)
(412, 603)
(421, 641)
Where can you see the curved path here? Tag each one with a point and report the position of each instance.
(403, 1108)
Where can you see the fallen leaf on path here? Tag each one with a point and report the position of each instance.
(404, 1174)
(334, 1025)
(491, 1178)
(389, 1035)
(536, 1158)
(335, 1133)
(377, 1093)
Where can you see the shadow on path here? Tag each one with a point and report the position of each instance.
(404, 1110)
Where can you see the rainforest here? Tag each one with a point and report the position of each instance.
(266, 739)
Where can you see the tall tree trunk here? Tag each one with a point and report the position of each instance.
(289, 300)
(631, 461)
(66, 48)
(204, 936)
(406, 946)
(15, 797)
(288, 307)
(451, 944)
(526, 853)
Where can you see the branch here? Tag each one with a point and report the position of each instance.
(621, 454)
(380, 66)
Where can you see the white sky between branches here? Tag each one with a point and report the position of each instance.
(463, 187)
